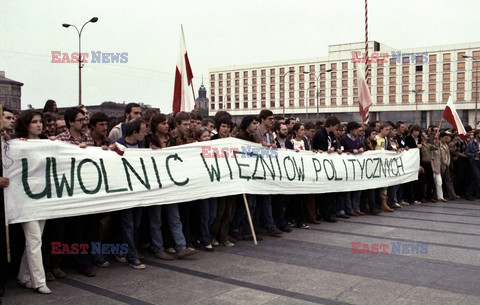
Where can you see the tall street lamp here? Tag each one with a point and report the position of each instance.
(417, 92)
(476, 86)
(290, 71)
(80, 66)
(317, 80)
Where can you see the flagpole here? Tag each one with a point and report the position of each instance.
(193, 90)
(7, 233)
(250, 219)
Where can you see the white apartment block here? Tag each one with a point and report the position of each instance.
(408, 88)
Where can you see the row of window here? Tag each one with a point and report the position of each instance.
(345, 66)
(432, 98)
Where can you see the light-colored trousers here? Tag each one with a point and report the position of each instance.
(31, 267)
(437, 178)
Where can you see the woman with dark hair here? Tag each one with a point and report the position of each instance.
(369, 143)
(29, 125)
(295, 204)
(160, 136)
(239, 227)
(50, 106)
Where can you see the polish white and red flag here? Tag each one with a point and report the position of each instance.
(450, 114)
(182, 100)
(364, 97)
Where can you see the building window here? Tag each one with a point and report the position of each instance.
(301, 77)
(291, 94)
(333, 75)
(405, 99)
(264, 72)
(333, 101)
(460, 86)
(344, 101)
(212, 106)
(418, 88)
(220, 91)
(220, 83)
(245, 104)
(254, 104)
(418, 78)
(393, 70)
(345, 65)
(446, 67)
(432, 78)
(432, 87)
(302, 69)
(229, 75)
(229, 90)
(245, 97)
(291, 78)
(345, 74)
(432, 97)
(212, 91)
(393, 80)
(272, 95)
(446, 77)
(323, 67)
(291, 103)
(380, 71)
(392, 99)
(432, 58)
(254, 73)
(432, 68)
(333, 92)
(333, 83)
(237, 82)
(445, 97)
(392, 89)
(355, 91)
(380, 81)
(254, 88)
(344, 92)
(379, 99)
(254, 81)
(272, 79)
(229, 83)
(405, 70)
(333, 66)
(379, 90)
(291, 86)
(264, 104)
(405, 79)
(245, 81)
(344, 83)
(213, 99)
(460, 56)
(245, 73)
(461, 66)
(254, 96)
(446, 87)
(237, 97)
(282, 71)
(393, 61)
(264, 80)
(405, 89)
(460, 96)
(237, 74)
(446, 57)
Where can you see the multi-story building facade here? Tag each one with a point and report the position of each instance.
(10, 92)
(412, 85)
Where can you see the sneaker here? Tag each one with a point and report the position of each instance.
(285, 229)
(27, 285)
(137, 265)
(187, 252)
(416, 202)
(104, 264)
(396, 206)
(121, 258)
(404, 203)
(164, 255)
(59, 274)
(43, 290)
(275, 233)
(170, 251)
(228, 244)
(304, 226)
(89, 272)
(215, 242)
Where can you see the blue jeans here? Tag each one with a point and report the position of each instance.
(207, 209)
(392, 194)
(355, 199)
(345, 202)
(263, 213)
(173, 218)
(130, 219)
(240, 219)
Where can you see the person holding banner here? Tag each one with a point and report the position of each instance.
(239, 227)
(29, 125)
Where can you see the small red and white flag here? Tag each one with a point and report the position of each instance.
(182, 100)
(364, 97)
(450, 114)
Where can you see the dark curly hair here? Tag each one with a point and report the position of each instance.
(23, 121)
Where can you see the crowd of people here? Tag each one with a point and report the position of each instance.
(449, 170)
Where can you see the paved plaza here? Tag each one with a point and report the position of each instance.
(313, 266)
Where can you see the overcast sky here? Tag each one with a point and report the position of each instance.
(218, 33)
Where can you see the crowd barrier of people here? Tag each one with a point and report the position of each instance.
(449, 170)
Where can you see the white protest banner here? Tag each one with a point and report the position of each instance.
(52, 179)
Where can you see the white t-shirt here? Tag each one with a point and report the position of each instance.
(298, 145)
